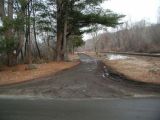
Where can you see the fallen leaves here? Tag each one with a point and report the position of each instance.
(18, 73)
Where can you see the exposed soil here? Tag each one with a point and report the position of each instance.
(90, 79)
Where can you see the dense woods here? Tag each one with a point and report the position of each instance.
(37, 30)
(137, 37)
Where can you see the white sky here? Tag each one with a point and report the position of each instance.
(135, 10)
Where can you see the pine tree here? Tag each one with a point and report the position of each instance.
(72, 15)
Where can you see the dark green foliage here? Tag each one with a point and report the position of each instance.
(23, 4)
(39, 6)
(18, 23)
(7, 24)
(7, 44)
(43, 17)
(76, 41)
(87, 12)
(72, 15)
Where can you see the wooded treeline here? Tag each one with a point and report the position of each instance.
(137, 37)
(47, 29)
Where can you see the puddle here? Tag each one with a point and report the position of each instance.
(116, 57)
(88, 61)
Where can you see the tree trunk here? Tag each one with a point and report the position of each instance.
(21, 33)
(29, 59)
(59, 44)
(12, 59)
(35, 36)
(20, 42)
(65, 52)
(28, 38)
(10, 9)
(2, 14)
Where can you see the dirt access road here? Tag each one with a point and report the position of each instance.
(90, 79)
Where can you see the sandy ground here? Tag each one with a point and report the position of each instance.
(138, 68)
(19, 73)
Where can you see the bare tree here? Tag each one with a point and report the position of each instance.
(137, 37)
(95, 38)
(34, 30)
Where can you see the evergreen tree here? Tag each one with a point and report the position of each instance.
(72, 15)
(24, 20)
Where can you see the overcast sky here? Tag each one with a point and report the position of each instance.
(135, 10)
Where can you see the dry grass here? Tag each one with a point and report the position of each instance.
(19, 74)
(138, 68)
(145, 69)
